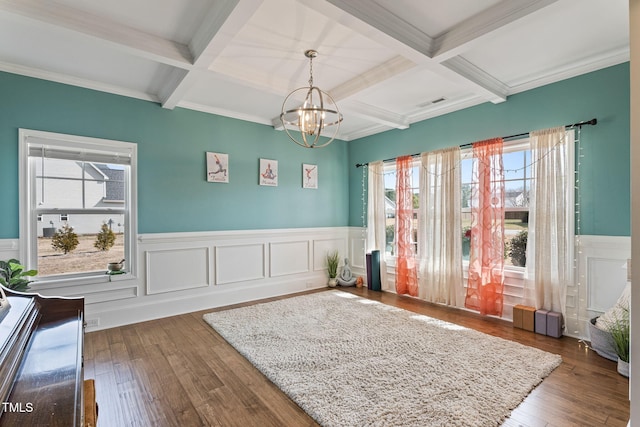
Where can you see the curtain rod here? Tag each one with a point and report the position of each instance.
(591, 122)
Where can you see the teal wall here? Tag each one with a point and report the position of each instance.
(605, 167)
(173, 195)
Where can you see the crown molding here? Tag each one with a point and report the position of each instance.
(76, 81)
(368, 131)
(556, 74)
(223, 112)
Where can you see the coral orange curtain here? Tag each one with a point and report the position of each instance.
(486, 258)
(406, 271)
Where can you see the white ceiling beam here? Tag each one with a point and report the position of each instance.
(375, 114)
(121, 37)
(223, 20)
(401, 38)
(372, 77)
(441, 55)
(380, 18)
(489, 87)
(470, 31)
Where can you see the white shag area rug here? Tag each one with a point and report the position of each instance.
(350, 361)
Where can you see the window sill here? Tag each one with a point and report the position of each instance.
(92, 279)
(509, 270)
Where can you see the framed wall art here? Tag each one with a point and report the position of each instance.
(217, 167)
(309, 176)
(268, 172)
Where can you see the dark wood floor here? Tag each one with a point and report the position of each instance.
(177, 371)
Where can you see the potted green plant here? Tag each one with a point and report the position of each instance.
(14, 275)
(517, 249)
(619, 330)
(333, 258)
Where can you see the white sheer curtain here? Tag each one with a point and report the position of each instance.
(440, 238)
(550, 241)
(376, 216)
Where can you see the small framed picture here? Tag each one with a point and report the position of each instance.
(268, 172)
(217, 167)
(309, 176)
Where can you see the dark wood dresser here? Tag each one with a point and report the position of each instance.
(41, 361)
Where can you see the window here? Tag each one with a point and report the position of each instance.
(92, 181)
(390, 205)
(516, 160)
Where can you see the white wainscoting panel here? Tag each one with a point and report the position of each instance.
(240, 263)
(289, 258)
(171, 270)
(606, 280)
(600, 278)
(321, 247)
(357, 252)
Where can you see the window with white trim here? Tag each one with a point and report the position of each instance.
(75, 191)
(390, 206)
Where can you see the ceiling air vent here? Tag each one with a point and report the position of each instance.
(435, 101)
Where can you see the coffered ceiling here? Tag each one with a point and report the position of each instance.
(387, 63)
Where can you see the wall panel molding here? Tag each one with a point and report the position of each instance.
(289, 257)
(600, 277)
(169, 270)
(240, 263)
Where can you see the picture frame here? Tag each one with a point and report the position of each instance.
(217, 167)
(309, 176)
(268, 172)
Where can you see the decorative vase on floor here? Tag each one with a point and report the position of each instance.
(333, 282)
(623, 368)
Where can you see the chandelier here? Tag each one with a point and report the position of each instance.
(317, 112)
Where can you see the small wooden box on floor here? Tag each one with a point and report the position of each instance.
(524, 317)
